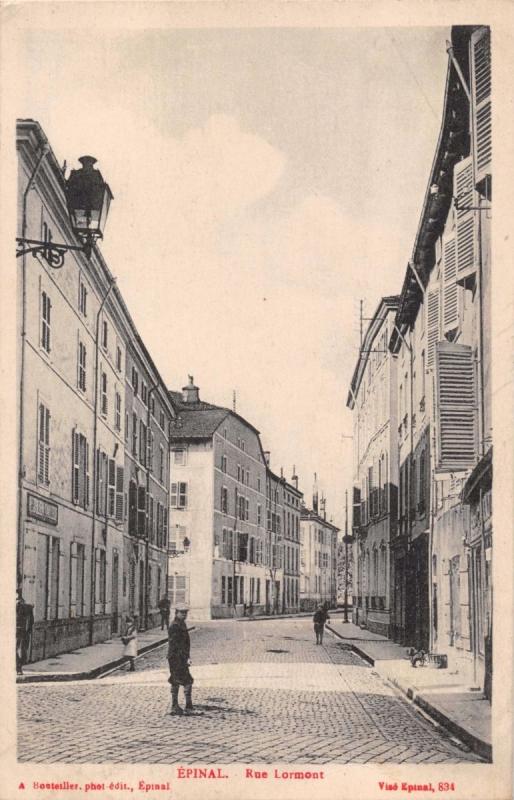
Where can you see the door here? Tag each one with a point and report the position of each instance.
(141, 595)
(115, 591)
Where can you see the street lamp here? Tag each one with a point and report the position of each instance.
(88, 198)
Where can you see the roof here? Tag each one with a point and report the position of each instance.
(389, 303)
(308, 513)
(197, 423)
(453, 144)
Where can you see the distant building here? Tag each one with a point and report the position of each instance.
(318, 558)
(221, 556)
(372, 399)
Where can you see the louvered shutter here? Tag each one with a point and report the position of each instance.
(141, 515)
(86, 473)
(73, 579)
(465, 221)
(74, 466)
(450, 288)
(119, 493)
(465, 615)
(61, 586)
(433, 325)
(456, 406)
(29, 566)
(481, 103)
(111, 492)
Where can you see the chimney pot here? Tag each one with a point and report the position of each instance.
(190, 393)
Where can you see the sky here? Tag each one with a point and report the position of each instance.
(265, 180)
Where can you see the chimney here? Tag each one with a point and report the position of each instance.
(323, 504)
(315, 494)
(282, 473)
(190, 393)
(294, 477)
(267, 457)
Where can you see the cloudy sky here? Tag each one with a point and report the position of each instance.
(265, 180)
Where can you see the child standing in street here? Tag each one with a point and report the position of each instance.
(130, 642)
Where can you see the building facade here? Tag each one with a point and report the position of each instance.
(74, 332)
(373, 401)
(223, 559)
(318, 558)
(293, 499)
(442, 567)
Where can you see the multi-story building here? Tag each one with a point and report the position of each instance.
(274, 542)
(318, 557)
(293, 500)
(147, 423)
(442, 342)
(373, 400)
(221, 560)
(74, 335)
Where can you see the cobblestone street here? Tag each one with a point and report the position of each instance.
(264, 692)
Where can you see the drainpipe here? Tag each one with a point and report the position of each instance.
(45, 148)
(147, 538)
(95, 437)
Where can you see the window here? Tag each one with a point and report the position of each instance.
(132, 500)
(142, 442)
(43, 457)
(239, 472)
(126, 426)
(82, 367)
(161, 463)
(223, 463)
(134, 434)
(224, 499)
(101, 577)
(120, 485)
(223, 589)
(77, 563)
(47, 589)
(105, 334)
(178, 589)
(103, 402)
(179, 457)
(179, 495)
(135, 380)
(152, 404)
(118, 358)
(248, 477)
(101, 482)
(46, 307)
(144, 393)
(161, 419)
(259, 515)
(141, 510)
(258, 484)
(117, 411)
(80, 470)
(82, 299)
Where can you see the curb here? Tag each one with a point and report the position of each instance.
(477, 745)
(89, 674)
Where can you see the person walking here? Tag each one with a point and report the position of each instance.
(179, 646)
(164, 608)
(130, 641)
(24, 625)
(319, 619)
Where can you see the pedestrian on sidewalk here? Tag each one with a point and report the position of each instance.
(129, 639)
(319, 619)
(24, 625)
(179, 646)
(164, 608)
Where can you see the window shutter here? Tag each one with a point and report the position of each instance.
(455, 395)
(119, 493)
(433, 325)
(141, 515)
(73, 579)
(74, 466)
(481, 102)
(465, 220)
(450, 288)
(29, 566)
(86, 473)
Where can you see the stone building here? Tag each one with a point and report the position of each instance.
(318, 557)
(74, 332)
(373, 401)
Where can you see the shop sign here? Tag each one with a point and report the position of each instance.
(42, 509)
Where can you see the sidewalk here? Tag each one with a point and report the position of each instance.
(438, 692)
(88, 662)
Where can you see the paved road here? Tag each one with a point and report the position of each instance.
(264, 693)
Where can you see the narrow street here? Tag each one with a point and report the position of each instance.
(264, 693)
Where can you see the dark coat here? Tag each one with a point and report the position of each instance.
(179, 646)
(320, 617)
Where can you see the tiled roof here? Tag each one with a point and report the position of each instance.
(197, 422)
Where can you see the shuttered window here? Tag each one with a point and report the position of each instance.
(433, 325)
(101, 482)
(80, 470)
(179, 495)
(178, 589)
(455, 406)
(119, 493)
(141, 511)
(111, 488)
(450, 288)
(104, 402)
(465, 222)
(43, 457)
(82, 367)
(46, 307)
(481, 102)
